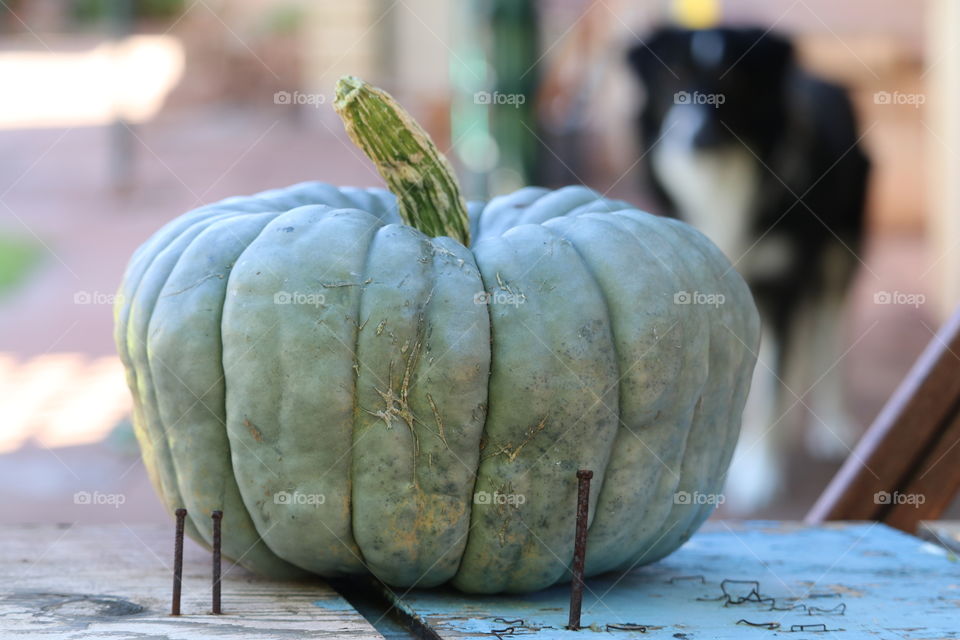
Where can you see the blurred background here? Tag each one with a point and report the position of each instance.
(117, 115)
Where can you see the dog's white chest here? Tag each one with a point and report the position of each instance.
(715, 190)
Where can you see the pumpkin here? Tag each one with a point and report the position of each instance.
(400, 385)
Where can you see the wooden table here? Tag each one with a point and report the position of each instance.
(854, 580)
(115, 581)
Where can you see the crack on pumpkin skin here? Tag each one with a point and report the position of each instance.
(442, 251)
(505, 449)
(502, 531)
(505, 514)
(335, 285)
(439, 419)
(544, 286)
(397, 405)
(505, 286)
(195, 284)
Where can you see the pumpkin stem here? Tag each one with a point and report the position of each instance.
(421, 178)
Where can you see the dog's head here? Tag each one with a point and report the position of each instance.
(720, 86)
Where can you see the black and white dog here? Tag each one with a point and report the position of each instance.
(764, 159)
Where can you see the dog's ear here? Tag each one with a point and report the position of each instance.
(646, 56)
(768, 51)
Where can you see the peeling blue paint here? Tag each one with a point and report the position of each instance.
(891, 584)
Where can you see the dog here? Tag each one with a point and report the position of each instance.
(764, 158)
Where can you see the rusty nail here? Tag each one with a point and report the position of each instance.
(217, 517)
(579, 547)
(178, 562)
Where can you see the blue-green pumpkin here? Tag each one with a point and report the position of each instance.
(376, 382)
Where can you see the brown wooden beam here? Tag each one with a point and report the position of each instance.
(901, 449)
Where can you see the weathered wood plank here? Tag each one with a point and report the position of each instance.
(886, 583)
(115, 581)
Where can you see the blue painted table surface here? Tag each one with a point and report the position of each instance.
(886, 583)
